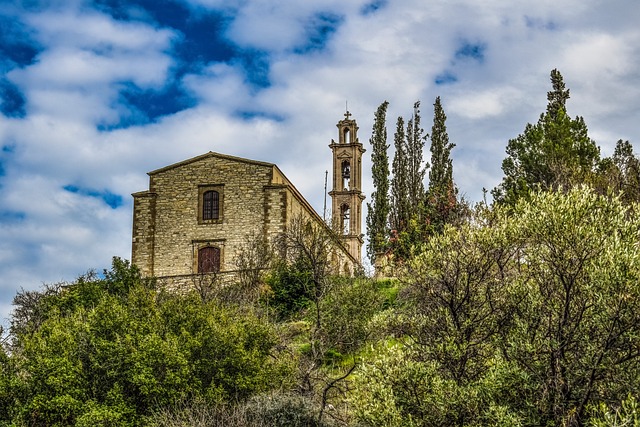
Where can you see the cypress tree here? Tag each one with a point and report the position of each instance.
(415, 170)
(378, 209)
(399, 189)
(441, 193)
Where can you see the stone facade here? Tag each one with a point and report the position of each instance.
(171, 226)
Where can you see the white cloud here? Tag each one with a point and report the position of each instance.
(600, 56)
(220, 86)
(605, 69)
(62, 236)
(93, 30)
(276, 25)
(86, 59)
(73, 67)
(487, 103)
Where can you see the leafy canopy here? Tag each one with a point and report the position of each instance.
(113, 350)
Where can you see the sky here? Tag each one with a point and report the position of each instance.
(95, 94)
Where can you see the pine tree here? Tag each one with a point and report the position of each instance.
(558, 96)
(554, 154)
(378, 209)
(442, 193)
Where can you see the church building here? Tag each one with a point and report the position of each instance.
(196, 214)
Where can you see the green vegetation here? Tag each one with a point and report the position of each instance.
(557, 154)
(523, 317)
(415, 213)
(110, 351)
(441, 202)
(521, 313)
(378, 209)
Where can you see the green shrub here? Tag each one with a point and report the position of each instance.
(290, 290)
(279, 410)
(627, 414)
(131, 351)
(283, 410)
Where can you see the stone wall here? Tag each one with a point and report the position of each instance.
(168, 230)
(142, 245)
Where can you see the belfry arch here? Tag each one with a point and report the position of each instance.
(346, 135)
(346, 174)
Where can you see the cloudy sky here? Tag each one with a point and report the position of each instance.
(94, 94)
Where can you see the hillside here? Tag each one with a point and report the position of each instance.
(524, 316)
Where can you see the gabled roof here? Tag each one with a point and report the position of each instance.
(208, 155)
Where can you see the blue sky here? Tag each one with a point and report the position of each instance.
(94, 94)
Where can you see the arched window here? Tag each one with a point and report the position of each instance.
(210, 205)
(344, 217)
(346, 174)
(209, 260)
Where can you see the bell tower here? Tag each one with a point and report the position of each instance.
(346, 195)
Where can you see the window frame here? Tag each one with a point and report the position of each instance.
(210, 205)
(204, 189)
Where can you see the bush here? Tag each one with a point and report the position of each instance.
(627, 414)
(283, 410)
(112, 362)
(279, 410)
(291, 287)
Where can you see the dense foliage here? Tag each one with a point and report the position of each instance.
(441, 203)
(399, 191)
(415, 213)
(524, 317)
(521, 313)
(110, 351)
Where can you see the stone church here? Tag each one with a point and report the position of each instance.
(197, 213)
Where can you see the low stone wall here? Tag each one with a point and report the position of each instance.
(188, 282)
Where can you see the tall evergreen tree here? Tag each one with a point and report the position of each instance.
(400, 213)
(407, 187)
(415, 169)
(558, 96)
(620, 173)
(554, 154)
(442, 193)
(378, 209)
